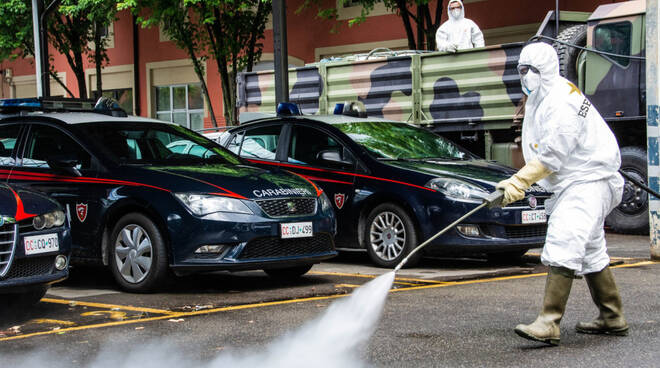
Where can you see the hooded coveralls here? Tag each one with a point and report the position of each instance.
(563, 131)
(458, 32)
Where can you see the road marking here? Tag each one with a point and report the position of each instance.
(106, 306)
(113, 315)
(48, 321)
(87, 327)
(261, 305)
(374, 276)
(347, 285)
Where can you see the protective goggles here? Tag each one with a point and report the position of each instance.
(524, 68)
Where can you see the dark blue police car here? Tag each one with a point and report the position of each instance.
(146, 210)
(35, 242)
(393, 185)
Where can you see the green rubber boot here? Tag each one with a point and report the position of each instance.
(610, 320)
(546, 326)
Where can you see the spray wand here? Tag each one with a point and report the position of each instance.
(494, 199)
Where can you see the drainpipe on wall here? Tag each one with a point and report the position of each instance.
(280, 52)
(652, 121)
(137, 97)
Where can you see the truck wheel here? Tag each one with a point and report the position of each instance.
(631, 216)
(568, 56)
(390, 235)
(138, 257)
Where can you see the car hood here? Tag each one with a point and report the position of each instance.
(241, 181)
(482, 172)
(22, 204)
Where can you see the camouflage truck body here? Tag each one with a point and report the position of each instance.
(474, 96)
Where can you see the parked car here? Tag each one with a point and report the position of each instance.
(35, 242)
(393, 185)
(145, 210)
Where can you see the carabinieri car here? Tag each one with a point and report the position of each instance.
(35, 242)
(394, 185)
(145, 210)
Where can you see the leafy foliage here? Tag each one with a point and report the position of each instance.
(229, 31)
(71, 26)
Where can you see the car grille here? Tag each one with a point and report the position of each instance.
(526, 231)
(272, 247)
(540, 202)
(8, 238)
(26, 267)
(288, 207)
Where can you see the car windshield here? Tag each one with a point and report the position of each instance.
(156, 144)
(401, 141)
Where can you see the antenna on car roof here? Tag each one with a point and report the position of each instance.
(103, 105)
(109, 106)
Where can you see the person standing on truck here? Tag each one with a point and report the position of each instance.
(569, 150)
(458, 32)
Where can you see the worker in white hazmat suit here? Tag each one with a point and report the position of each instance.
(458, 32)
(570, 151)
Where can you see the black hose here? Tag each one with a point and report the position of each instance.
(537, 37)
(639, 183)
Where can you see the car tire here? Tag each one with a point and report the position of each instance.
(288, 273)
(631, 215)
(138, 257)
(390, 235)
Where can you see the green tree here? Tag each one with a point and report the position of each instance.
(229, 31)
(72, 27)
(420, 36)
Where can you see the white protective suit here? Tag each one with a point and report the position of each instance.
(458, 32)
(569, 137)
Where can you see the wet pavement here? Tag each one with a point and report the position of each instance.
(222, 309)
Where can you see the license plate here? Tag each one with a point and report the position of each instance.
(534, 217)
(296, 230)
(41, 244)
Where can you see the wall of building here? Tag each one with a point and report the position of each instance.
(309, 39)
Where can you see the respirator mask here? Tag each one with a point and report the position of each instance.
(530, 78)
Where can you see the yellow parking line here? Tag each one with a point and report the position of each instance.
(374, 276)
(48, 321)
(87, 327)
(280, 302)
(106, 306)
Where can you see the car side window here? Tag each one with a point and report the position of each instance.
(47, 142)
(8, 144)
(315, 147)
(261, 142)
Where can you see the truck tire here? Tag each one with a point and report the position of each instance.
(568, 56)
(631, 216)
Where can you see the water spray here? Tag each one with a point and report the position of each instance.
(494, 199)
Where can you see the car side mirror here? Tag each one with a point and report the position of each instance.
(333, 156)
(66, 164)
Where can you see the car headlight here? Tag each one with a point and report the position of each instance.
(48, 220)
(326, 205)
(203, 204)
(458, 190)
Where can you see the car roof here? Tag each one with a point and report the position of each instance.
(327, 119)
(89, 117)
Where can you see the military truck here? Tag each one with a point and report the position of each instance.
(474, 96)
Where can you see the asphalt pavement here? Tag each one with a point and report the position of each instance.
(445, 313)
